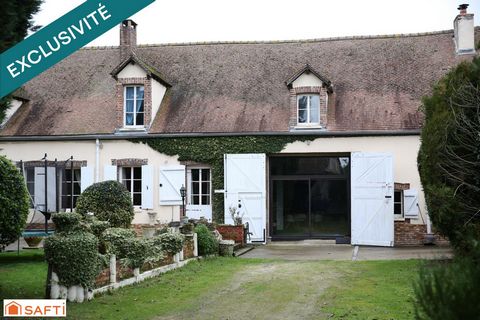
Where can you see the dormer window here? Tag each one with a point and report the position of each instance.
(134, 106)
(308, 109)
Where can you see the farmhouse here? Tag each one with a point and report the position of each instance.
(305, 139)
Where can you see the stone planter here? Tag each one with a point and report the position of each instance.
(225, 248)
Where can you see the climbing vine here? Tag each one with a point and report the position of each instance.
(210, 150)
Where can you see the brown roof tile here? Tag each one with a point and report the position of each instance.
(240, 87)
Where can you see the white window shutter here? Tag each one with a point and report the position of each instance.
(147, 187)
(171, 180)
(410, 203)
(40, 189)
(110, 173)
(86, 176)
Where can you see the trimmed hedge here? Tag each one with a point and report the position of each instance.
(74, 257)
(14, 202)
(66, 221)
(109, 201)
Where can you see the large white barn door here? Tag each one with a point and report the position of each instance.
(372, 199)
(245, 189)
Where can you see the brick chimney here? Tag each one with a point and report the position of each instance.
(128, 38)
(464, 31)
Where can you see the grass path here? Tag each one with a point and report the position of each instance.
(232, 288)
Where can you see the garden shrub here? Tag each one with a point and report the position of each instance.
(66, 221)
(449, 156)
(115, 240)
(449, 291)
(74, 257)
(169, 242)
(109, 201)
(14, 202)
(137, 251)
(97, 227)
(207, 243)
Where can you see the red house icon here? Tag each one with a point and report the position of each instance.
(12, 309)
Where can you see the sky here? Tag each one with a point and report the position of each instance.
(177, 21)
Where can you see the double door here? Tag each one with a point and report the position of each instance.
(310, 207)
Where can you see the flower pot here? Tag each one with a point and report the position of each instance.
(33, 242)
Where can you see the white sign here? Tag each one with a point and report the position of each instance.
(35, 308)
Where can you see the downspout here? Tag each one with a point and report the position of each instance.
(97, 160)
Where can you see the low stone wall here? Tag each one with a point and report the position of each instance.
(229, 232)
(117, 275)
(409, 234)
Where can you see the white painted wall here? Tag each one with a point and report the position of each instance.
(110, 149)
(14, 105)
(403, 148)
(307, 80)
(158, 92)
(132, 71)
(464, 34)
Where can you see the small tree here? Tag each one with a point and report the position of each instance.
(449, 156)
(108, 201)
(14, 202)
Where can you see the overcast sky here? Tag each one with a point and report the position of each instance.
(230, 20)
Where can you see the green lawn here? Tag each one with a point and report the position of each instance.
(23, 276)
(234, 288)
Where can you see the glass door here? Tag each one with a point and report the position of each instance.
(290, 211)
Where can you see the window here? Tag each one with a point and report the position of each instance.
(200, 187)
(134, 106)
(398, 204)
(131, 178)
(30, 180)
(308, 107)
(67, 188)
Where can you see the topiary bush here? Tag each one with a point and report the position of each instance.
(66, 221)
(74, 257)
(109, 201)
(207, 243)
(449, 156)
(14, 202)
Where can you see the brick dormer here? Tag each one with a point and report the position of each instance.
(139, 93)
(309, 94)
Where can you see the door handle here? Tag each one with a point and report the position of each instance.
(388, 197)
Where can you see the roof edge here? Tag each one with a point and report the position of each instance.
(108, 136)
(361, 37)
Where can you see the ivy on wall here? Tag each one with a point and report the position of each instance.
(210, 150)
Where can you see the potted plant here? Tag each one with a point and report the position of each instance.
(33, 242)
(236, 216)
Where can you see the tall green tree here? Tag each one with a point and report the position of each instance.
(449, 157)
(16, 17)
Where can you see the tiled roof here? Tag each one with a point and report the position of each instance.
(377, 83)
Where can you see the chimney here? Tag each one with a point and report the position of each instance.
(128, 38)
(464, 31)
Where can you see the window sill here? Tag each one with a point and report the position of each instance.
(132, 129)
(401, 219)
(309, 127)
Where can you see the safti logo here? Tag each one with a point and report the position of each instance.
(35, 308)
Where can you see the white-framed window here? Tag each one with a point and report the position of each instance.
(131, 178)
(134, 106)
(67, 188)
(398, 204)
(29, 173)
(308, 109)
(200, 186)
